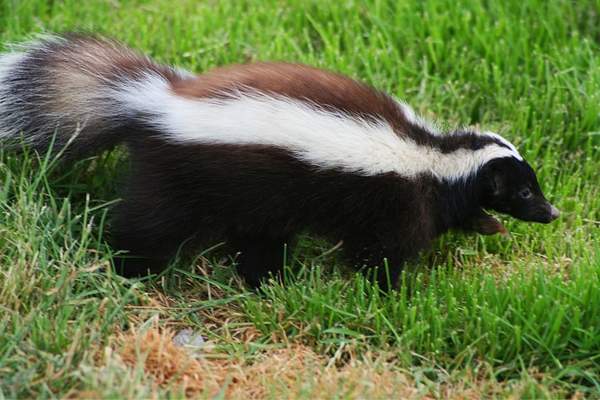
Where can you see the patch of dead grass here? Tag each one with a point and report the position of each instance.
(295, 371)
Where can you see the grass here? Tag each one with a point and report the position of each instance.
(482, 316)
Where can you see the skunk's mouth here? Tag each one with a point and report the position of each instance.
(486, 224)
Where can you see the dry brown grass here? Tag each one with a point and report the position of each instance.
(295, 371)
(291, 372)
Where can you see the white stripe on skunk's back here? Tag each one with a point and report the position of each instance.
(319, 137)
(59, 86)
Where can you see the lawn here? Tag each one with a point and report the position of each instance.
(515, 316)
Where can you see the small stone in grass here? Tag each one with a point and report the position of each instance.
(188, 338)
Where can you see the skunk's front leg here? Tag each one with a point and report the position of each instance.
(380, 261)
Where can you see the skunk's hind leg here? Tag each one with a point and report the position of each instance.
(259, 257)
(140, 253)
(149, 236)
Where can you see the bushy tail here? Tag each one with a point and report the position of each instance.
(58, 87)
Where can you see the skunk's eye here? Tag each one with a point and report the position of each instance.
(525, 193)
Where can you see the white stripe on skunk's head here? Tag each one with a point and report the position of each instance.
(504, 142)
(321, 137)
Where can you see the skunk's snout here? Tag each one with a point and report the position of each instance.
(542, 212)
(553, 212)
(549, 214)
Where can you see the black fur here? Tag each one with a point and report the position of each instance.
(258, 198)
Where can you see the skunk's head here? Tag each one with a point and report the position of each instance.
(509, 185)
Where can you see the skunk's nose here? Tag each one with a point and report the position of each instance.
(554, 212)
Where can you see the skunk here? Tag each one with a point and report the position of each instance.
(254, 154)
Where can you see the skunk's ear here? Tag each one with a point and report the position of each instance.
(495, 179)
(497, 183)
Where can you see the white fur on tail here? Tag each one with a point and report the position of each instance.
(60, 85)
(8, 64)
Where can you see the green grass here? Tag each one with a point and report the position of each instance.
(519, 314)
